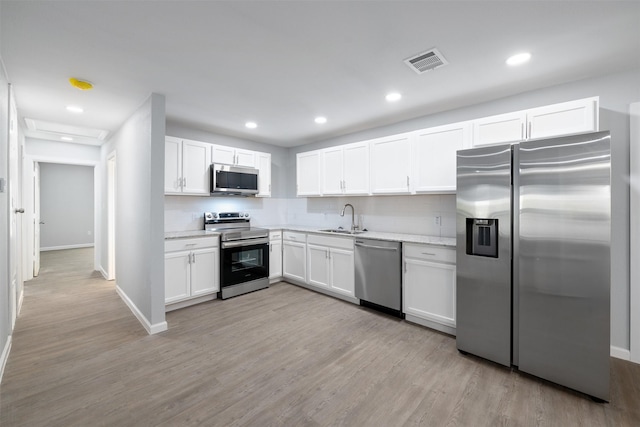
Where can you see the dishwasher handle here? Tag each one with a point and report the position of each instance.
(384, 248)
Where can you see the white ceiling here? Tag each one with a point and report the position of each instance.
(281, 63)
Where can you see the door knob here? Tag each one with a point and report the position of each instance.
(21, 210)
(41, 222)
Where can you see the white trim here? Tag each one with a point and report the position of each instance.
(634, 249)
(190, 302)
(430, 324)
(620, 353)
(104, 273)
(151, 329)
(57, 248)
(5, 356)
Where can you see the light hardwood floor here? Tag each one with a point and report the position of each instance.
(284, 356)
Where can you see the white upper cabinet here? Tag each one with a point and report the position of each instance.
(186, 167)
(563, 119)
(195, 167)
(502, 128)
(391, 164)
(356, 168)
(232, 156)
(434, 157)
(172, 165)
(308, 173)
(263, 161)
(345, 169)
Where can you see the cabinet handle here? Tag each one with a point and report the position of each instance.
(407, 181)
(194, 258)
(428, 253)
(326, 255)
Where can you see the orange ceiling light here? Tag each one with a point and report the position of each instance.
(80, 84)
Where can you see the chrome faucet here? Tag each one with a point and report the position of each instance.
(353, 213)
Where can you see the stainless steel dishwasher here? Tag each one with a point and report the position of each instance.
(379, 275)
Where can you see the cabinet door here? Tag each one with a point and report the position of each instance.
(294, 261)
(391, 165)
(205, 277)
(275, 259)
(195, 167)
(499, 129)
(563, 119)
(223, 155)
(318, 265)
(264, 174)
(176, 276)
(430, 291)
(172, 165)
(434, 156)
(356, 168)
(332, 164)
(342, 271)
(308, 173)
(246, 158)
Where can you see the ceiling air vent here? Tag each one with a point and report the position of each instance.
(426, 61)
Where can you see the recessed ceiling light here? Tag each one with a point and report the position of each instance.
(393, 97)
(518, 59)
(320, 120)
(251, 125)
(66, 138)
(75, 109)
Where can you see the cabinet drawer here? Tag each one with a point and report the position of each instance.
(334, 242)
(275, 235)
(429, 253)
(294, 236)
(172, 245)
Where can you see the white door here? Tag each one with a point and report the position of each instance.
(308, 174)
(246, 158)
(177, 276)
(204, 275)
(36, 218)
(172, 165)
(15, 211)
(318, 265)
(356, 168)
(195, 167)
(342, 271)
(391, 165)
(332, 182)
(294, 261)
(434, 156)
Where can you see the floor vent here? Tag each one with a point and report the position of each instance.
(426, 61)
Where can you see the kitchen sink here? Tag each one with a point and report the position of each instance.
(341, 231)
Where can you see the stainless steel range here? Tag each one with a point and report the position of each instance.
(244, 254)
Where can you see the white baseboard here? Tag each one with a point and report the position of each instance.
(57, 248)
(620, 353)
(5, 356)
(151, 329)
(104, 273)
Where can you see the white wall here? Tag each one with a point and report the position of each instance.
(616, 91)
(139, 146)
(66, 206)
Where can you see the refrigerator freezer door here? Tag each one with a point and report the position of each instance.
(483, 298)
(564, 261)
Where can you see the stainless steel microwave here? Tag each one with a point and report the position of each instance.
(233, 180)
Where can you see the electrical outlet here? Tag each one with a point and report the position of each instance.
(438, 220)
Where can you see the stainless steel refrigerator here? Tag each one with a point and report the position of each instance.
(533, 258)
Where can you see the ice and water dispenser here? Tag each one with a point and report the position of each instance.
(482, 237)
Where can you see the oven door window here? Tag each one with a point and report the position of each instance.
(244, 263)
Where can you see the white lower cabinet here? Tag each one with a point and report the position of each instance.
(330, 263)
(429, 286)
(275, 255)
(191, 268)
(294, 256)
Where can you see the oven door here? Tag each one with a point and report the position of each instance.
(243, 261)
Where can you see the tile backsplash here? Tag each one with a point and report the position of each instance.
(433, 215)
